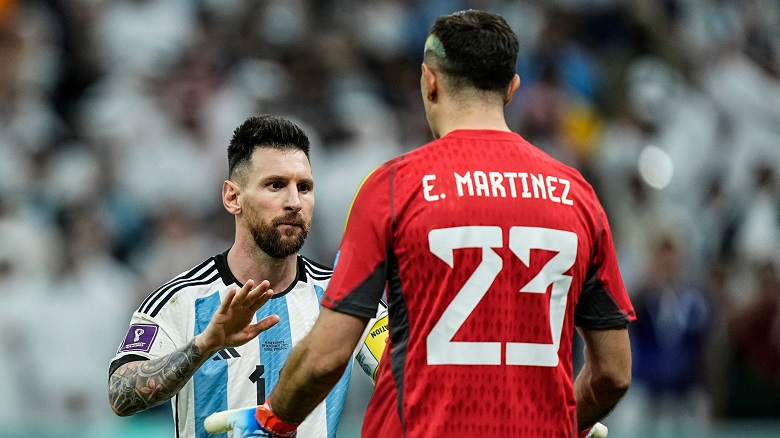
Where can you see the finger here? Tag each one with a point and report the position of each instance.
(240, 298)
(259, 290)
(227, 300)
(264, 324)
(263, 286)
(260, 295)
(262, 299)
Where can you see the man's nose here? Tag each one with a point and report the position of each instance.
(293, 201)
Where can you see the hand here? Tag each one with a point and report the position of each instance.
(254, 422)
(231, 325)
(597, 431)
(373, 347)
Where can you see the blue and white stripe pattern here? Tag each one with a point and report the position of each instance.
(183, 307)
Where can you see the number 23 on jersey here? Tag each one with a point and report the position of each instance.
(442, 350)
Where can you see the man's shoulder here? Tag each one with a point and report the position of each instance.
(315, 271)
(194, 282)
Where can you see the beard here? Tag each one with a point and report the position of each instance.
(277, 245)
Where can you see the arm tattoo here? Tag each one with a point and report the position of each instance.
(140, 385)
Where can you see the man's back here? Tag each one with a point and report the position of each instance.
(490, 253)
(489, 244)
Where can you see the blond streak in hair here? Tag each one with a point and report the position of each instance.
(433, 44)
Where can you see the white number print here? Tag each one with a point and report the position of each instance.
(442, 350)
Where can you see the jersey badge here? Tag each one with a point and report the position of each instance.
(139, 338)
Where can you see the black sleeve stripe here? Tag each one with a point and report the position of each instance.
(172, 292)
(316, 270)
(179, 278)
(188, 277)
(596, 309)
(361, 304)
(316, 267)
(318, 276)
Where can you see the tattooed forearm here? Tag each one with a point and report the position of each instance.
(136, 386)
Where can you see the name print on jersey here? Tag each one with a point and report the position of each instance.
(502, 185)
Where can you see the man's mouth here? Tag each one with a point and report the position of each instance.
(292, 224)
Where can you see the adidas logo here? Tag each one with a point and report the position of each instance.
(228, 353)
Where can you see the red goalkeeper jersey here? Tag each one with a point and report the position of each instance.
(490, 252)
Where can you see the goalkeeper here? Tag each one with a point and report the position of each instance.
(491, 253)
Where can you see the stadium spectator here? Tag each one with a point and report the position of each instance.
(668, 341)
(753, 389)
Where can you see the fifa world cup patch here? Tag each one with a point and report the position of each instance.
(139, 338)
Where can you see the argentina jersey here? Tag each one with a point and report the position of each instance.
(235, 377)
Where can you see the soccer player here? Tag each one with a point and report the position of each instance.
(215, 337)
(492, 253)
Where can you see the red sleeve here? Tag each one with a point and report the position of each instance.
(604, 302)
(361, 266)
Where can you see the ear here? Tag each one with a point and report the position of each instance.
(513, 86)
(430, 83)
(230, 194)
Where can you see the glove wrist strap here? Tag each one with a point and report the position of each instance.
(266, 418)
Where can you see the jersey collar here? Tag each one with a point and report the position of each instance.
(228, 278)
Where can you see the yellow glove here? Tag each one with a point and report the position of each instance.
(374, 342)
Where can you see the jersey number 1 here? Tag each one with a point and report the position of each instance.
(442, 350)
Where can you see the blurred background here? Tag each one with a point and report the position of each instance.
(115, 117)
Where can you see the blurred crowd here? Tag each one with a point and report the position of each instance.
(115, 117)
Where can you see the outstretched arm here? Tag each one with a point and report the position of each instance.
(316, 364)
(136, 386)
(606, 375)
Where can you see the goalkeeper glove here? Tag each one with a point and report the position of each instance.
(374, 342)
(254, 422)
(598, 430)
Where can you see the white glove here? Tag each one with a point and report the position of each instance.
(254, 422)
(597, 431)
(374, 341)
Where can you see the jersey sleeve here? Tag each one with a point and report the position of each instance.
(604, 302)
(361, 267)
(146, 338)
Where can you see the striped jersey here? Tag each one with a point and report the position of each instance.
(490, 252)
(234, 377)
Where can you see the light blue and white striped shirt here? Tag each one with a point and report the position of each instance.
(235, 377)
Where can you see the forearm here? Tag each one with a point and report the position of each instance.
(136, 386)
(596, 397)
(315, 365)
(304, 382)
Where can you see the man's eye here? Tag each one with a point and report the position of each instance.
(304, 188)
(276, 185)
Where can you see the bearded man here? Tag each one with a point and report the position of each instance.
(216, 336)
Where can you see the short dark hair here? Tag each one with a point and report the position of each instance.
(264, 131)
(474, 49)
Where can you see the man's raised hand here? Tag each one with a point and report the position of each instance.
(231, 325)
